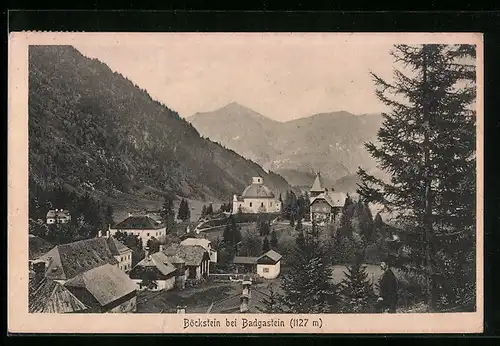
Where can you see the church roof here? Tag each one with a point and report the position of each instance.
(318, 184)
(257, 191)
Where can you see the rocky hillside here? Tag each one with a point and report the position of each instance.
(330, 142)
(91, 129)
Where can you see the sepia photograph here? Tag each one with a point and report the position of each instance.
(237, 182)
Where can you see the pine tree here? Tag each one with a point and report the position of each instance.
(204, 211)
(109, 215)
(427, 144)
(167, 213)
(307, 287)
(187, 211)
(271, 303)
(210, 209)
(274, 239)
(265, 245)
(356, 289)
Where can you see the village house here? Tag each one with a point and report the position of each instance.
(196, 259)
(55, 216)
(90, 271)
(122, 253)
(204, 243)
(141, 225)
(325, 205)
(105, 289)
(156, 268)
(256, 198)
(267, 266)
(68, 260)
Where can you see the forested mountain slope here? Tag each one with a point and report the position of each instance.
(91, 129)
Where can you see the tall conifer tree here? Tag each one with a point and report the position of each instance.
(427, 144)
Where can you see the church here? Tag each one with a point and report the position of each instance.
(256, 198)
(325, 205)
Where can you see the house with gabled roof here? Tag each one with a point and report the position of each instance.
(66, 261)
(196, 259)
(55, 216)
(122, 253)
(267, 265)
(142, 226)
(89, 270)
(325, 205)
(156, 268)
(105, 289)
(204, 243)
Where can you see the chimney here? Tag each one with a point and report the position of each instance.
(181, 309)
(244, 304)
(245, 295)
(129, 214)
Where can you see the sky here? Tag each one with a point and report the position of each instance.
(281, 76)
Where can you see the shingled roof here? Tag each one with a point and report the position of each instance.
(273, 255)
(191, 254)
(158, 260)
(68, 260)
(204, 243)
(38, 247)
(105, 283)
(138, 222)
(333, 198)
(49, 296)
(117, 247)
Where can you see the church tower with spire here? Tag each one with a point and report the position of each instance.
(317, 187)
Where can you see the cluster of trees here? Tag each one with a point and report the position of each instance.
(308, 286)
(427, 143)
(207, 210)
(88, 214)
(431, 190)
(231, 238)
(295, 208)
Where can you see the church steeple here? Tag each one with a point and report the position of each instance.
(317, 186)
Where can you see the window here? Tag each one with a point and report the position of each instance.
(262, 204)
(147, 234)
(266, 270)
(270, 204)
(250, 204)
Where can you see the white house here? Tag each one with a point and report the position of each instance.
(269, 265)
(122, 253)
(58, 216)
(143, 226)
(204, 243)
(256, 198)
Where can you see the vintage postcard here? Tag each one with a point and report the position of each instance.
(245, 183)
